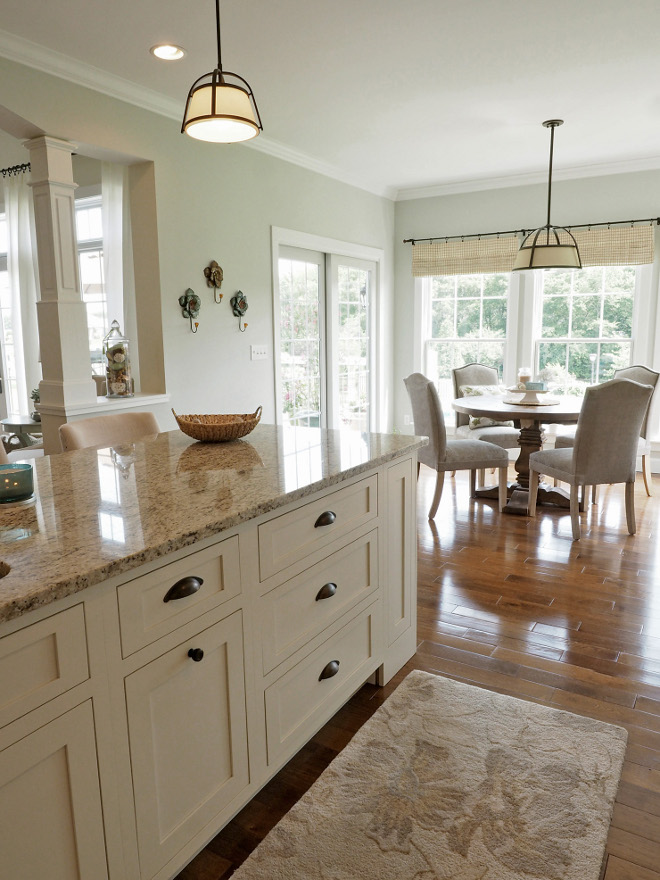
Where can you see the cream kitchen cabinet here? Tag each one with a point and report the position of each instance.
(188, 739)
(51, 824)
(138, 715)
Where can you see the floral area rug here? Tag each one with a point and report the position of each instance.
(454, 782)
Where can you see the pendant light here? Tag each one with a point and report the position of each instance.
(550, 247)
(218, 110)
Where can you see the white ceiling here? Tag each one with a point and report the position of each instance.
(392, 95)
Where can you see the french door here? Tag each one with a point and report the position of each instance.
(325, 354)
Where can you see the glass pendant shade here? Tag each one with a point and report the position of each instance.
(220, 112)
(548, 248)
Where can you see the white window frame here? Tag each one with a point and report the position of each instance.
(641, 292)
(283, 238)
(422, 318)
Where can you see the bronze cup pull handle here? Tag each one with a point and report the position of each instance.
(326, 519)
(331, 669)
(196, 654)
(184, 587)
(327, 591)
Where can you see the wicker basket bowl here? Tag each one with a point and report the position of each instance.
(218, 428)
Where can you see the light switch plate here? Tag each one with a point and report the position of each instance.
(258, 352)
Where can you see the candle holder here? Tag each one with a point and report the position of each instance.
(16, 482)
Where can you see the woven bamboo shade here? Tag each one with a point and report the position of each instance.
(619, 246)
(603, 246)
(464, 257)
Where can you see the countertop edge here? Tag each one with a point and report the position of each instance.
(51, 592)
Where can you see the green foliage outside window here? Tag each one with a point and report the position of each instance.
(588, 316)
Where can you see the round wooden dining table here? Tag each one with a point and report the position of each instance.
(529, 418)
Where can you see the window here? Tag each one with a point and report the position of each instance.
(89, 230)
(586, 324)
(301, 287)
(9, 393)
(464, 319)
(350, 322)
(325, 336)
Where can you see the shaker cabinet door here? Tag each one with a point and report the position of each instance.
(51, 824)
(187, 729)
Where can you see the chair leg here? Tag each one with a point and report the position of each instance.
(453, 474)
(630, 508)
(594, 494)
(473, 484)
(503, 488)
(646, 473)
(533, 493)
(575, 511)
(482, 477)
(439, 482)
(418, 466)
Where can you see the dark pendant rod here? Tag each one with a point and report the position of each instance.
(479, 235)
(15, 169)
(217, 23)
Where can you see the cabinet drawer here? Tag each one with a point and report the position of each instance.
(299, 702)
(293, 535)
(150, 606)
(42, 661)
(301, 608)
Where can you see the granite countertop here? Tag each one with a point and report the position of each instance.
(100, 512)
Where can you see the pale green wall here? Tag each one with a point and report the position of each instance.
(617, 197)
(213, 202)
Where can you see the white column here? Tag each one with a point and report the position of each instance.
(67, 373)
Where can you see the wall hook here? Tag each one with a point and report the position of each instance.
(190, 305)
(214, 275)
(239, 305)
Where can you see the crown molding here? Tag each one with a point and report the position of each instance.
(605, 169)
(23, 51)
(287, 154)
(49, 61)
(46, 60)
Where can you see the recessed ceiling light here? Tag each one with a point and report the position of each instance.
(168, 52)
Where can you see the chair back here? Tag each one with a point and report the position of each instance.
(645, 376)
(428, 418)
(607, 434)
(4, 458)
(109, 430)
(471, 374)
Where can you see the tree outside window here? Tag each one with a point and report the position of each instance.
(466, 317)
(586, 325)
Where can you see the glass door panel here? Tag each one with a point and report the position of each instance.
(352, 395)
(301, 369)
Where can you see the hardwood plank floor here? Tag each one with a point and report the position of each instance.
(514, 605)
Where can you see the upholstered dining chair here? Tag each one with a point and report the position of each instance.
(645, 376)
(110, 430)
(445, 455)
(479, 374)
(605, 449)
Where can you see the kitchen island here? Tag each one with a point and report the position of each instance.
(176, 620)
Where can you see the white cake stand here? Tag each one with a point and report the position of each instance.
(530, 398)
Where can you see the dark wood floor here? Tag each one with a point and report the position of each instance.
(514, 605)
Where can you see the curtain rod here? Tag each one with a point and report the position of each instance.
(479, 235)
(15, 169)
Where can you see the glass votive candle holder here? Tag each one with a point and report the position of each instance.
(524, 375)
(16, 482)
